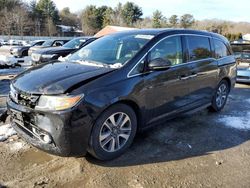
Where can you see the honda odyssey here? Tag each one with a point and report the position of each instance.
(118, 85)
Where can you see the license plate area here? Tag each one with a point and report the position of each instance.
(17, 117)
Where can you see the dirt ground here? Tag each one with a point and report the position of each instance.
(201, 149)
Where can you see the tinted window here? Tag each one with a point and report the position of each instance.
(168, 49)
(198, 47)
(220, 49)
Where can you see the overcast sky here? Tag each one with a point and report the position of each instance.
(201, 9)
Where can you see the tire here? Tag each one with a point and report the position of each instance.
(109, 140)
(220, 97)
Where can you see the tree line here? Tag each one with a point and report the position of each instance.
(40, 18)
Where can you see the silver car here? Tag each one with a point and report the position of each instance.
(243, 68)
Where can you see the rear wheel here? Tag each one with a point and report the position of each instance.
(113, 132)
(220, 97)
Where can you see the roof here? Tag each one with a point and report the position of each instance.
(112, 29)
(170, 31)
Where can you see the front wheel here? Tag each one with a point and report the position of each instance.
(113, 132)
(220, 98)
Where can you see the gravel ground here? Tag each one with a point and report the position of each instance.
(202, 149)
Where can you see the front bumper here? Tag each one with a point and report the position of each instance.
(69, 130)
(243, 75)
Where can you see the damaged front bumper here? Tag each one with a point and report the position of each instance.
(61, 133)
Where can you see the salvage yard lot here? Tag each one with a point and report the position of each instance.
(200, 149)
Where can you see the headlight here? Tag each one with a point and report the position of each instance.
(57, 102)
(48, 56)
(15, 50)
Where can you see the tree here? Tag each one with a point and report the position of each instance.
(15, 19)
(157, 19)
(186, 21)
(108, 17)
(131, 13)
(173, 21)
(48, 10)
(68, 18)
(116, 17)
(9, 4)
(90, 24)
(49, 16)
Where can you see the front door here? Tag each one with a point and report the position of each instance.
(165, 91)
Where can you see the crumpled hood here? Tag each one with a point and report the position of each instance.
(56, 77)
(53, 50)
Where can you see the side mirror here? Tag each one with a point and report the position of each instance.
(159, 64)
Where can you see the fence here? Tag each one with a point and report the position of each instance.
(30, 38)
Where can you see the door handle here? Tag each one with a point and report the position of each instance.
(183, 77)
(193, 76)
(187, 77)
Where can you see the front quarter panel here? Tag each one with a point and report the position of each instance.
(129, 90)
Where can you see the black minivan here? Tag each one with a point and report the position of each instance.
(118, 85)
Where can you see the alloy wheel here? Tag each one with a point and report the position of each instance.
(115, 132)
(221, 95)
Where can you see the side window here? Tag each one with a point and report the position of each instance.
(220, 49)
(39, 43)
(169, 49)
(58, 43)
(198, 47)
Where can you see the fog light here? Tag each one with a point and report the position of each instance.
(46, 139)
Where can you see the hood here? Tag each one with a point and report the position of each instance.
(34, 48)
(56, 77)
(54, 50)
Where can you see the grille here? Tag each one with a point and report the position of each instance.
(35, 57)
(23, 98)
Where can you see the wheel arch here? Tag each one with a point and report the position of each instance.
(132, 104)
(228, 81)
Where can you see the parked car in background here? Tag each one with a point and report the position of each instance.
(21, 51)
(118, 85)
(13, 42)
(243, 69)
(4, 42)
(47, 44)
(48, 54)
(242, 55)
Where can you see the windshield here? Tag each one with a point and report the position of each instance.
(48, 43)
(74, 43)
(113, 49)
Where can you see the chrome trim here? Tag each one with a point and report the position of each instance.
(188, 77)
(210, 37)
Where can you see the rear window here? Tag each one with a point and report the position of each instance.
(221, 49)
(198, 47)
